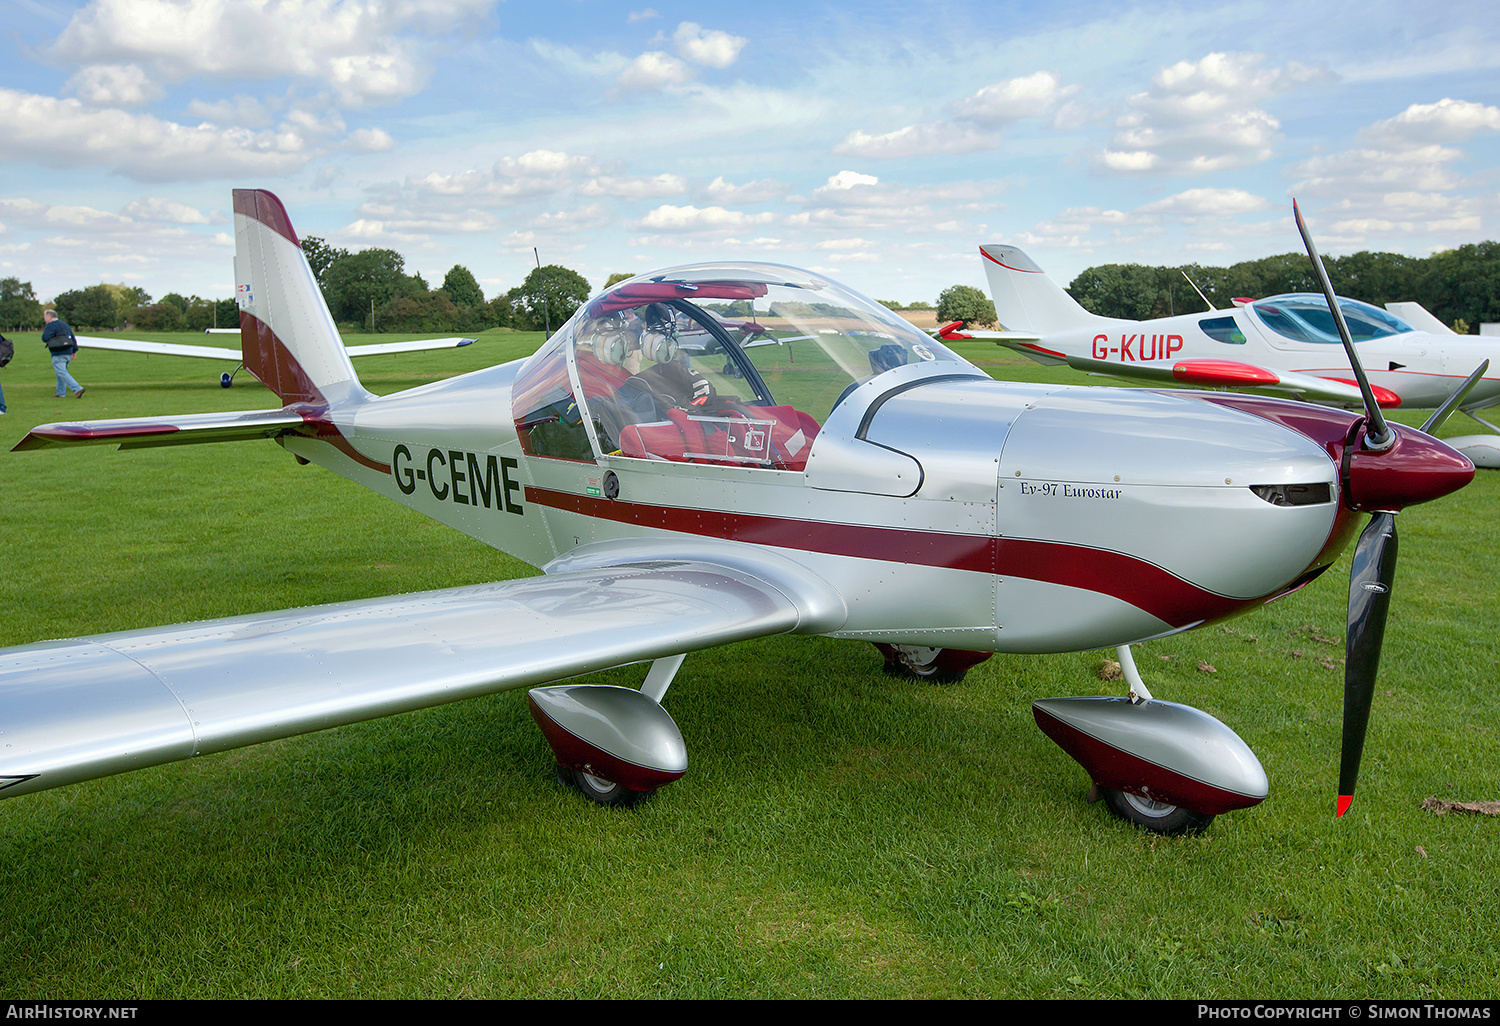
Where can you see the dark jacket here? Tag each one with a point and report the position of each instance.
(59, 338)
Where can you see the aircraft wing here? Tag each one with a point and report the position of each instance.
(88, 707)
(1210, 373)
(1023, 342)
(233, 355)
(125, 345)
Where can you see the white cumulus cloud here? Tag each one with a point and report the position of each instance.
(713, 48)
(65, 133)
(114, 85)
(364, 49)
(974, 123)
(1203, 116)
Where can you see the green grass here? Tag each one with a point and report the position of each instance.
(839, 834)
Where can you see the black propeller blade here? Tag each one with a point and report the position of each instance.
(1371, 574)
(1378, 434)
(1373, 568)
(1450, 404)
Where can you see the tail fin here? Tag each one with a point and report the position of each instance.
(287, 336)
(1025, 298)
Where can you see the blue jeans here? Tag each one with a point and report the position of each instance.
(2, 400)
(64, 379)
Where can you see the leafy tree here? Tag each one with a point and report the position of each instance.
(1462, 283)
(320, 255)
(549, 296)
(18, 305)
(355, 282)
(501, 310)
(94, 307)
(461, 287)
(1116, 290)
(161, 316)
(965, 303)
(619, 276)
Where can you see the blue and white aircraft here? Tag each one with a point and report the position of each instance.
(1282, 344)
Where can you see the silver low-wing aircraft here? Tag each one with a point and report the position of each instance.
(1283, 344)
(724, 451)
(223, 354)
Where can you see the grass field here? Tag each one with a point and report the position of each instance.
(839, 833)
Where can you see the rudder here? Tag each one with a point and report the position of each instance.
(287, 336)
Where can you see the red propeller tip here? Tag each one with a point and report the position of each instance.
(1345, 800)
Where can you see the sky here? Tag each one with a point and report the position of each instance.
(877, 143)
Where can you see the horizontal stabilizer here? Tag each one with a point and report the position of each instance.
(415, 346)
(188, 429)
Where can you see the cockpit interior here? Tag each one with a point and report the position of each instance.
(730, 364)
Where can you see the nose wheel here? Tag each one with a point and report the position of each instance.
(1157, 817)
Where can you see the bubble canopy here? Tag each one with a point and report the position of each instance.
(1304, 317)
(724, 362)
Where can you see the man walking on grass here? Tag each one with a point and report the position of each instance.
(59, 340)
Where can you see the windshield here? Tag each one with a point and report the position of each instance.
(1305, 317)
(730, 363)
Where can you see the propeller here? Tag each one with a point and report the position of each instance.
(1371, 574)
(1450, 404)
(1379, 436)
(1383, 471)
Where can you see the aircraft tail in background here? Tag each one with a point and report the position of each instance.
(1026, 299)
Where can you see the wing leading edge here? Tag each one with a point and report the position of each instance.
(89, 707)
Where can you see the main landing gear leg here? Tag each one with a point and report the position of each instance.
(1158, 817)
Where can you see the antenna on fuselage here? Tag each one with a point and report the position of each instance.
(546, 312)
(1199, 291)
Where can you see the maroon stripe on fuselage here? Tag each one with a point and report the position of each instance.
(1144, 585)
(268, 358)
(326, 430)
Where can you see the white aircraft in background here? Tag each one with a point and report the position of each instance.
(126, 345)
(1287, 344)
(725, 451)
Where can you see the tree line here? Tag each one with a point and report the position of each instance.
(365, 290)
(370, 290)
(1461, 287)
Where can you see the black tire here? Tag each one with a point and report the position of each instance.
(1156, 817)
(226, 379)
(934, 665)
(601, 791)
